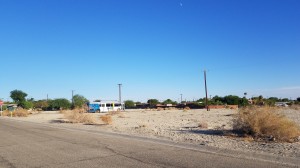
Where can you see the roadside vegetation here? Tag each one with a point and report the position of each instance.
(106, 119)
(17, 113)
(79, 116)
(265, 123)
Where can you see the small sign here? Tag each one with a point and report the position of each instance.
(1, 103)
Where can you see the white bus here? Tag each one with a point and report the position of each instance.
(105, 106)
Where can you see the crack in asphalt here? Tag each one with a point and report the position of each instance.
(133, 158)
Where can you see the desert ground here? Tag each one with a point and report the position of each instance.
(208, 128)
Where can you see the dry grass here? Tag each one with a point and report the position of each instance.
(76, 116)
(160, 109)
(117, 113)
(186, 109)
(16, 113)
(5, 113)
(114, 113)
(295, 107)
(266, 123)
(107, 119)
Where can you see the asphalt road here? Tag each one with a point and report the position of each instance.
(25, 144)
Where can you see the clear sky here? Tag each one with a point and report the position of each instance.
(155, 48)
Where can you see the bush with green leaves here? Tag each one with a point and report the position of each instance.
(169, 101)
(18, 96)
(79, 101)
(26, 105)
(60, 104)
(41, 104)
(153, 102)
(129, 104)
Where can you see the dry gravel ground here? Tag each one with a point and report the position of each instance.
(193, 126)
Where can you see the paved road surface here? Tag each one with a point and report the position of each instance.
(25, 144)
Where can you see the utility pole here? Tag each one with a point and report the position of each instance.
(180, 98)
(120, 98)
(206, 101)
(47, 97)
(73, 97)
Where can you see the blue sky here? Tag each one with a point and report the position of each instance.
(155, 48)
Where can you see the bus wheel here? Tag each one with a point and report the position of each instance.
(98, 111)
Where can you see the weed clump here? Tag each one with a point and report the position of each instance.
(160, 109)
(107, 119)
(16, 113)
(185, 109)
(76, 116)
(265, 123)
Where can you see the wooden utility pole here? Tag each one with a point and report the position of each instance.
(180, 98)
(73, 97)
(206, 101)
(120, 98)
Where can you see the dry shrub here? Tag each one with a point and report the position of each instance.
(295, 107)
(20, 113)
(266, 123)
(16, 113)
(159, 109)
(79, 110)
(75, 116)
(187, 108)
(5, 113)
(114, 112)
(107, 119)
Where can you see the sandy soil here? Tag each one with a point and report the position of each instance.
(193, 126)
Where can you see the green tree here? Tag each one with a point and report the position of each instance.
(169, 101)
(231, 100)
(138, 103)
(216, 100)
(79, 101)
(42, 104)
(271, 101)
(129, 104)
(153, 102)
(18, 96)
(26, 104)
(243, 102)
(285, 100)
(258, 100)
(60, 104)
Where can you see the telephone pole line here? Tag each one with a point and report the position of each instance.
(206, 101)
(73, 97)
(120, 98)
(180, 98)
